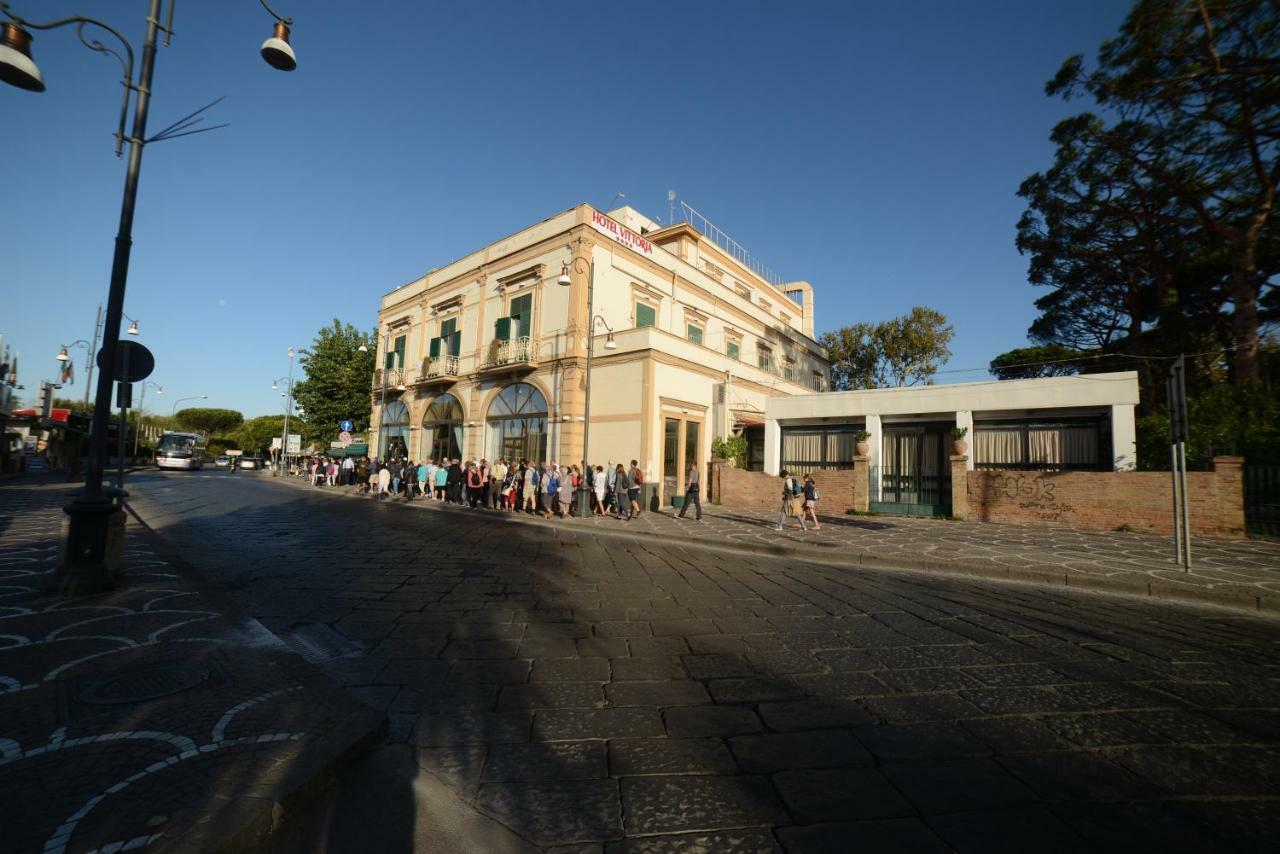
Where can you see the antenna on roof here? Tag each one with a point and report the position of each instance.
(618, 195)
(671, 206)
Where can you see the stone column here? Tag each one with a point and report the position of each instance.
(959, 486)
(1124, 438)
(965, 419)
(876, 442)
(861, 484)
(772, 447)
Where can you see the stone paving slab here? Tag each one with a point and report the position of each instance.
(149, 716)
(1234, 573)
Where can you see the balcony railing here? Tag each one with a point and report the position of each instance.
(517, 352)
(440, 368)
(391, 378)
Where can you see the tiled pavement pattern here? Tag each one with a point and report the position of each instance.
(85, 764)
(1234, 573)
(641, 696)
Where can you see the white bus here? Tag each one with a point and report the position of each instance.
(180, 451)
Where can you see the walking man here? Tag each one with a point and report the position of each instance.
(692, 488)
(792, 498)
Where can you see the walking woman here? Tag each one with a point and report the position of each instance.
(530, 488)
(792, 501)
(622, 487)
(598, 486)
(568, 491)
(475, 487)
(384, 481)
(548, 483)
(810, 508)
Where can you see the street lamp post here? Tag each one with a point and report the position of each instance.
(288, 406)
(93, 550)
(584, 490)
(141, 405)
(173, 412)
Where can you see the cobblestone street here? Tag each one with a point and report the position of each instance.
(638, 695)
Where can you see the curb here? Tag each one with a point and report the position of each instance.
(1251, 601)
(247, 818)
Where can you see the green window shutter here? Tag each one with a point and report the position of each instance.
(502, 329)
(646, 315)
(732, 350)
(522, 313)
(455, 344)
(695, 334)
(399, 352)
(448, 327)
(435, 347)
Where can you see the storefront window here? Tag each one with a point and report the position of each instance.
(393, 432)
(442, 428)
(517, 422)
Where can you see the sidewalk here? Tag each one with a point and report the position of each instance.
(150, 716)
(1238, 574)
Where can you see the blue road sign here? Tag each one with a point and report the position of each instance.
(347, 426)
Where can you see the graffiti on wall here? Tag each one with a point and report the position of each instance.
(1033, 494)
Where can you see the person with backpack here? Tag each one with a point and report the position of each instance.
(810, 507)
(549, 485)
(792, 501)
(635, 479)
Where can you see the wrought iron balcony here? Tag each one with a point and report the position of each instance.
(514, 353)
(440, 370)
(392, 379)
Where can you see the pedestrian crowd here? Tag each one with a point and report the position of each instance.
(547, 488)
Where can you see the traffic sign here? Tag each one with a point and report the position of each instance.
(345, 438)
(346, 426)
(133, 362)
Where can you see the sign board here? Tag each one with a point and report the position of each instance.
(233, 453)
(133, 363)
(620, 233)
(1176, 387)
(295, 444)
(346, 426)
(275, 443)
(344, 438)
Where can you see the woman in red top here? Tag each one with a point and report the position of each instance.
(475, 484)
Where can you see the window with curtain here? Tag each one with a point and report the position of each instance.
(811, 448)
(1041, 445)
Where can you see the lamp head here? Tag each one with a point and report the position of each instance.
(133, 327)
(363, 348)
(16, 66)
(62, 355)
(274, 385)
(290, 352)
(564, 279)
(277, 51)
(609, 343)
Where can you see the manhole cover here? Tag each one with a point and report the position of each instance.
(142, 685)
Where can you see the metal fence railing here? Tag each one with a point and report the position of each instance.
(1262, 500)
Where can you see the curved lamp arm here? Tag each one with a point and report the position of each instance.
(125, 61)
(272, 12)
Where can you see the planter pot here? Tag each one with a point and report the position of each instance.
(959, 447)
(862, 448)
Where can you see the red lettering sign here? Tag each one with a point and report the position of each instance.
(620, 233)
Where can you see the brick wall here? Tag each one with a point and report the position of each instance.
(753, 489)
(1096, 501)
(1104, 501)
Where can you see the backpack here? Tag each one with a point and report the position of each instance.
(796, 488)
(639, 478)
(816, 494)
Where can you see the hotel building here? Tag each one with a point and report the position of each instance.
(486, 357)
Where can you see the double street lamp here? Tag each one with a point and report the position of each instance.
(92, 553)
(584, 491)
(287, 394)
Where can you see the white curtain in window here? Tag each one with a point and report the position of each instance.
(1079, 446)
(997, 447)
(840, 448)
(801, 447)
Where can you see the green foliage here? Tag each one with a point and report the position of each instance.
(900, 351)
(211, 421)
(217, 447)
(337, 385)
(1239, 419)
(255, 435)
(958, 433)
(1155, 227)
(1042, 360)
(733, 448)
(861, 436)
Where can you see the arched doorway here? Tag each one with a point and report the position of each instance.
(394, 431)
(442, 429)
(517, 422)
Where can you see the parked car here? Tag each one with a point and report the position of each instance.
(221, 460)
(250, 463)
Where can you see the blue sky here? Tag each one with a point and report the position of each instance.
(873, 149)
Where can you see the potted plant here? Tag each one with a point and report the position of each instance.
(860, 445)
(958, 445)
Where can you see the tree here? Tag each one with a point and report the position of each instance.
(211, 421)
(255, 435)
(1045, 360)
(1191, 92)
(338, 382)
(898, 352)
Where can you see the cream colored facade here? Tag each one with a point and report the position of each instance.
(702, 342)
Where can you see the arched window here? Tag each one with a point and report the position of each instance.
(443, 428)
(394, 431)
(517, 422)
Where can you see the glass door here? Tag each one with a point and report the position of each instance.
(671, 458)
(915, 471)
